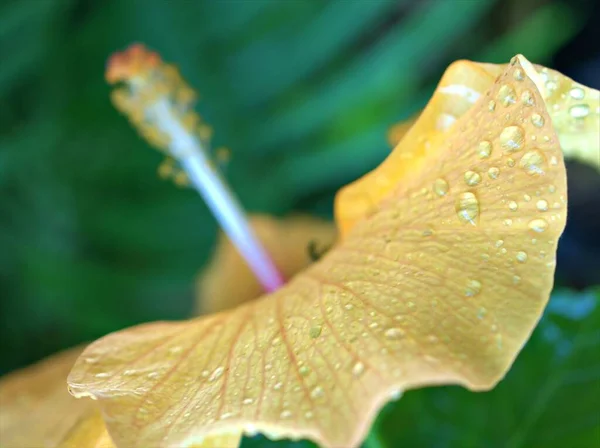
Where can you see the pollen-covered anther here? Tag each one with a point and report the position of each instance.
(157, 101)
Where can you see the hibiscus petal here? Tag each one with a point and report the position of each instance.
(286, 240)
(36, 409)
(441, 284)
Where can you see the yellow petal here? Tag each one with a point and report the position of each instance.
(286, 240)
(574, 108)
(462, 85)
(442, 284)
(36, 410)
(89, 432)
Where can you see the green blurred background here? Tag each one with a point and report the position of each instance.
(303, 93)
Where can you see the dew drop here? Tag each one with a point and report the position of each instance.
(102, 375)
(348, 306)
(507, 95)
(493, 172)
(315, 331)
(481, 313)
(510, 162)
(492, 106)
(516, 279)
(521, 256)
(538, 225)
(467, 208)
(579, 111)
(537, 120)
(577, 93)
(394, 333)
(473, 288)
(278, 386)
(532, 162)
(285, 414)
(248, 401)
(304, 370)
(485, 149)
(518, 74)
(513, 206)
(527, 98)
(512, 138)
(542, 205)
(472, 178)
(499, 243)
(174, 350)
(440, 187)
(308, 415)
(508, 222)
(358, 369)
(395, 394)
(216, 374)
(129, 372)
(317, 392)
(153, 375)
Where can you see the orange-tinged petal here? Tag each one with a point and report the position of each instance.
(286, 240)
(36, 409)
(462, 84)
(442, 284)
(574, 108)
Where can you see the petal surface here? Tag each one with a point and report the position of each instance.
(36, 409)
(442, 283)
(288, 242)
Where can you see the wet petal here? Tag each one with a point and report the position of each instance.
(442, 283)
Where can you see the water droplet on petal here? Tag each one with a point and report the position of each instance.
(248, 401)
(493, 172)
(542, 205)
(537, 120)
(308, 415)
(521, 256)
(285, 414)
(513, 206)
(467, 207)
(518, 74)
(508, 222)
(278, 386)
(315, 331)
(532, 162)
(317, 392)
(216, 374)
(153, 375)
(394, 333)
(102, 375)
(485, 149)
(473, 288)
(481, 313)
(577, 93)
(304, 370)
(538, 225)
(440, 187)
(527, 98)
(507, 95)
(358, 369)
(492, 106)
(579, 111)
(472, 178)
(512, 138)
